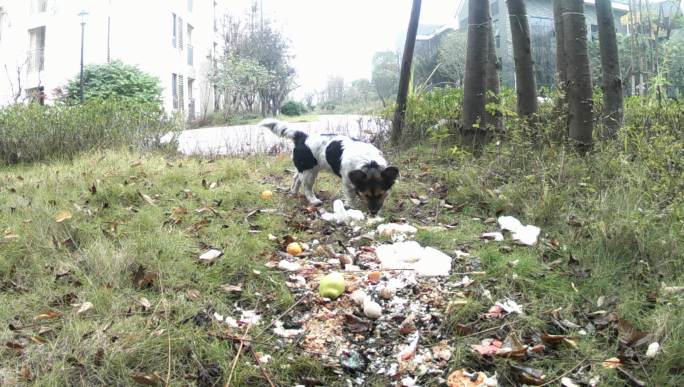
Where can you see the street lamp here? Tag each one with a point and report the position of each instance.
(83, 14)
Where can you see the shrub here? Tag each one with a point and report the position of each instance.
(115, 79)
(292, 108)
(33, 132)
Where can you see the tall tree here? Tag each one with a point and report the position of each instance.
(525, 83)
(385, 77)
(405, 75)
(475, 75)
(579, 95)
(610, 65)
(492, 85)
(561, 71)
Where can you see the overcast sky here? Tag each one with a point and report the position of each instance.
(333, 37)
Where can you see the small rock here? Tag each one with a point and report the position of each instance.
(408, 326)
(652, 350)
(387, 293)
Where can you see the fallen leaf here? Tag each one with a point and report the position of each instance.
(48, 315)
(146, 198)
(528, 375)
(232, 288)
(84, 307)
(144, 279)
(26, 373)
(192, 294)
(487, 347)
(145, 303)
(15, 345)
(613, 362)
(148, 380)
(62, 216)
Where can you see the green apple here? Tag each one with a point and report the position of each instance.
(331, 286)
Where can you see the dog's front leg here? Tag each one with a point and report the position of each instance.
(296, 183)
(308, 178)
(349, 196)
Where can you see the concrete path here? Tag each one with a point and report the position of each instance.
(251, 139)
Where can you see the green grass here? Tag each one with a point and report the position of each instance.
(626, 247)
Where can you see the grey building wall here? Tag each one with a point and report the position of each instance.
(542, 36)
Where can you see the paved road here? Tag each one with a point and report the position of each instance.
(251, 139)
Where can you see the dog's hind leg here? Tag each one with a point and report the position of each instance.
(308, 178)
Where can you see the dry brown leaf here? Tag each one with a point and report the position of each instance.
(148, 380)
(487, 347)
(146, 198)
(62, 216)
(193, 294)
(48, 315)
(26, 373)
(37, 340)
(613, 362)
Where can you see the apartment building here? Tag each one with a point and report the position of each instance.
(542, 34)
(174, 40)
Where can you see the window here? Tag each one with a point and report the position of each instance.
(38, 6)
(180, 33)
(190, 5)
(189, 46)
(215, 20)
(191, 83)
(191, 100)
(36, 54)
(181, 97)
(494, 8)
(174, 39)
(174, 90)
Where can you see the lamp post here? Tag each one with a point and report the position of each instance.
(83, 15)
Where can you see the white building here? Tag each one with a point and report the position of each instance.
(174, 40)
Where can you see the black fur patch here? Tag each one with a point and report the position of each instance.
(333, 155)
(302, 156)
(300, 137)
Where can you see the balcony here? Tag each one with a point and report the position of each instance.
(191, 54)
(36, 60)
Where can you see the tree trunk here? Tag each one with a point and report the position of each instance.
(580, 102)
(525, 83)
(610, 66)
(405, 75)
(561, 70)
(474, 85)
(492, 119)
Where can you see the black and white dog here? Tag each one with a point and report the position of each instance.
(363, 169)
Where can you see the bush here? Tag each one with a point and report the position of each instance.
(33, 132)
(292, 108)
(115, 79)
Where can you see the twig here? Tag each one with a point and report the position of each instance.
(237, 355)
(283, 314)
(564, 374)
(632, 378)
(263, 370)
(487, 330)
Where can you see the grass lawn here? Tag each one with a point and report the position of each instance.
(100, 281)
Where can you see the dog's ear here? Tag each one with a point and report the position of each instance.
(358, 177)
(389, 176)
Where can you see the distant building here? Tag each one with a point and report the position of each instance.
(542, 34)
(174, 40)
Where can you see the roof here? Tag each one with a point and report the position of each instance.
(437, 31)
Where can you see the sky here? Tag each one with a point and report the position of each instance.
(338, 38)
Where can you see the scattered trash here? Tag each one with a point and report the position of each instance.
(358, 296)
(289, 266)
(613, 362)
(396, 230)
(294, 249)
(426, 261)
(354, 361)
(340, 215)
(526, 235)
(331, 286)
(266, 195)
(463, 378)
(409, 350)
(371, 309)
(210, 255)
(285, 332)
(652, 350)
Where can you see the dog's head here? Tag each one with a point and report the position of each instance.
(373, 185)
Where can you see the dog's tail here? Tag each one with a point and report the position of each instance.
(280, 128)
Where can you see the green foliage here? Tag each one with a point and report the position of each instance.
(114, 80)
(293, 108)
(451, 57)
(30, 133)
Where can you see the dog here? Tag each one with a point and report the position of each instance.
(364, 171)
